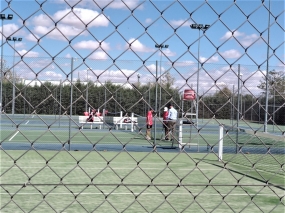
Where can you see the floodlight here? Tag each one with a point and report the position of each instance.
(14, 39)
(194, 26)
(206, 26)
(157, 46)
(10, 16)
(9, 39)
(166, 46)
(2, 16)
(19, 39)
(200, 26)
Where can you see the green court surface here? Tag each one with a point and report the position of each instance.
(83, 181)
(99, 136)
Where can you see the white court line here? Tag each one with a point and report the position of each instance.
(114, 168)
(27, 122)
(38, 167)
(92, 162)
(13, 136)
(152, 193)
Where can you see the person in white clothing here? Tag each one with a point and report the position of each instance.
(172, 117)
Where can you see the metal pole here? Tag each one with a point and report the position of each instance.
(86, 91)
(241, 95)
(149, 92)
(233, 104)
(24, 112)
(238, 105)
(71, 94)
(273, 108)
(60, 101)
(160, 82)
(267, 74)
(13, 101)
(10, 16)
(198, 76)
(104, 107)
(1, 87)
(155, 103)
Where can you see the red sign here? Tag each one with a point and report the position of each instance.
(189, 95)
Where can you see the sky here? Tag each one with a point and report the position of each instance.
(127, 31)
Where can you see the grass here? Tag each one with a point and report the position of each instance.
(82, 181)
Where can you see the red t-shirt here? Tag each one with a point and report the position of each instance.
(149, 118)
(165, 115)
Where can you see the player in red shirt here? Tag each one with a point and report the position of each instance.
(149, 123)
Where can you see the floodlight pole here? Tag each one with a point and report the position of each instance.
(138, 75)
(3, 17)
(71, 100)
(241, 108)
(203, 28)
(149, 91)
(160, 47)
(238, 107)
(13, 80)
(267, 75)
(87, 84)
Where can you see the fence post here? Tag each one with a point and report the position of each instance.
(221, 141)
(180, 136)
(121, 117)
(71, 94)
(132, 123)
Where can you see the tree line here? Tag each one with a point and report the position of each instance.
(50, 99)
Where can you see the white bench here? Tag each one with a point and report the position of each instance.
(120, 121)
(96, 121)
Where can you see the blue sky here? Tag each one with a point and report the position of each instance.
(238, 32)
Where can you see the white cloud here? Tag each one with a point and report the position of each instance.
(181, 22)
(122, 5)
(51, 75)
(28, 54)
(99, 55)
(32, 37)
(76, 16)
(8, 30)
(167, 52)
(56, 33)
(148, 20)
(231, 53)
(184, 63)
(137, 46)
(68, 55)
(230, 34)
(249, 39)
(244, 39)
(70, 23)
(19, 44)
(42, 20)
(209, 60)
(151, 68)
(115, 4)
(91, 45)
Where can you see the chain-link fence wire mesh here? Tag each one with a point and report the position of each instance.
(53, 160)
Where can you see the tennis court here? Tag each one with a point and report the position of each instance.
(57, 166)
(106, 181)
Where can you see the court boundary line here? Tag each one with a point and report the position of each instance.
(139, 193)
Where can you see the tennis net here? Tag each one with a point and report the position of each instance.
(254, 148)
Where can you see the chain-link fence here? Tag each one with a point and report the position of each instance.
(78, 81)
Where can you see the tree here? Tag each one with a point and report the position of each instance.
(167, 80)
(276, 83)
